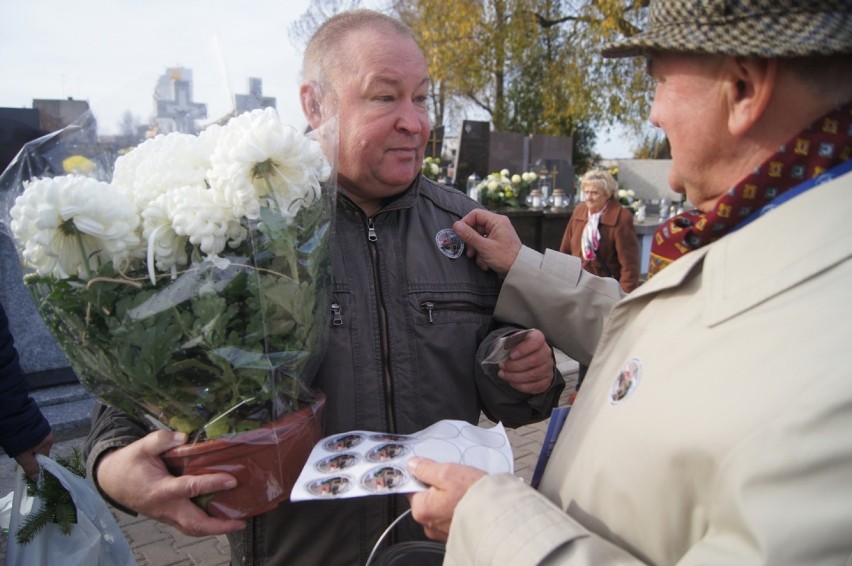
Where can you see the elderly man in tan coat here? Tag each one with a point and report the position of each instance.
(731, 442)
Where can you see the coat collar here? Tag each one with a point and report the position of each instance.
(610, 213)
(779, 251)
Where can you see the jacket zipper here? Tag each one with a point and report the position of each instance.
(372, 238)
(336, 316)
(431, 307)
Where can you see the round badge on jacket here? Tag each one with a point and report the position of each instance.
(626, 381)
(449, 243)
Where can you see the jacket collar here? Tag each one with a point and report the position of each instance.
(610, 213)
(778, 251)
(405, 199)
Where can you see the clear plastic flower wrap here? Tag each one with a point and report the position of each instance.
(188, 279)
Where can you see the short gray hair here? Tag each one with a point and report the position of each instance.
(322, 58)
(600, 179)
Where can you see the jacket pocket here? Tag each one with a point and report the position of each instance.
(443, 312)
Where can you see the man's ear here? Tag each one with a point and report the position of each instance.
(749, 87)
(309, 95)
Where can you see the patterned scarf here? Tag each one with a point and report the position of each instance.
(591, 237)
(824, 144)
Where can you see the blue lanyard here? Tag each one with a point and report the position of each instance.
(835, 171)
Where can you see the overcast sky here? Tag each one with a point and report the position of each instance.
(111, 53)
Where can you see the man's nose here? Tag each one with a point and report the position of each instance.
(410, 118)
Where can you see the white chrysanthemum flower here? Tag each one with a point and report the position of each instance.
(164, 162)
(206, 219)
(516, 179)
(260, 161)
(70, 225)
(166, 249)
(188, 214)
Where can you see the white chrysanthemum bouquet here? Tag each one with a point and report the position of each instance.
(192, 288)
(189, 283)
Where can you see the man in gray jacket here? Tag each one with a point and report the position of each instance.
(411, 315)
(713, 426)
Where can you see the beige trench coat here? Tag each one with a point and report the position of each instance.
(734, 445)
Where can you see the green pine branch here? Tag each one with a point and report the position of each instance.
(57, 505)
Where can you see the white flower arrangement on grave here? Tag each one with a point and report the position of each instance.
(191, 289)
(502, 189)
(431, 167)
(627, 199)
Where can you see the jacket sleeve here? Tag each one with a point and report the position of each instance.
(503, 403)
(553, 293)
(22, 424)
(502, 520)
(627, 250)
(111, 429)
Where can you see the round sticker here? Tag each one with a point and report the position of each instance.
(343, 442)
(384, 478)
(330, 487)
(626, 381)
(449, 243)
(337, 462)
(385, 452)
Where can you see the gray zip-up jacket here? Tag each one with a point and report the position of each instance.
(408, 328)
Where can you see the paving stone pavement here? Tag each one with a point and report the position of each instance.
(156, 544)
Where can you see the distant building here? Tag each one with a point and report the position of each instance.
(174, 107)
(55, 114)
(21, 125)
(254, 100)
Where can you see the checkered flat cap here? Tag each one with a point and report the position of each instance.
(749, 28)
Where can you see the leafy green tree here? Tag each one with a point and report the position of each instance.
(318, 11)
(533, 65)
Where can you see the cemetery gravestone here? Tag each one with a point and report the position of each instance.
(436, 141)
(40, 356)
(508, 150)
(472, 156)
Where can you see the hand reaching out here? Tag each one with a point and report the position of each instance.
(490, 239)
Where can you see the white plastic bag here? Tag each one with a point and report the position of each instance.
(96, 539)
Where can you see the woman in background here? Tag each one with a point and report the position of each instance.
(601, 233)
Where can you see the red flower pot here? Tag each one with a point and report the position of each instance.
(266, 462)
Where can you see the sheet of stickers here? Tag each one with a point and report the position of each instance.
(360, 463)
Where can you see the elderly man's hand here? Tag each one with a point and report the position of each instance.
(490, 238)
(529, 368)
(447, 483)
(27, 458)
(136, 477)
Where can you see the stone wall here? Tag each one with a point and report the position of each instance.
(648, 178)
